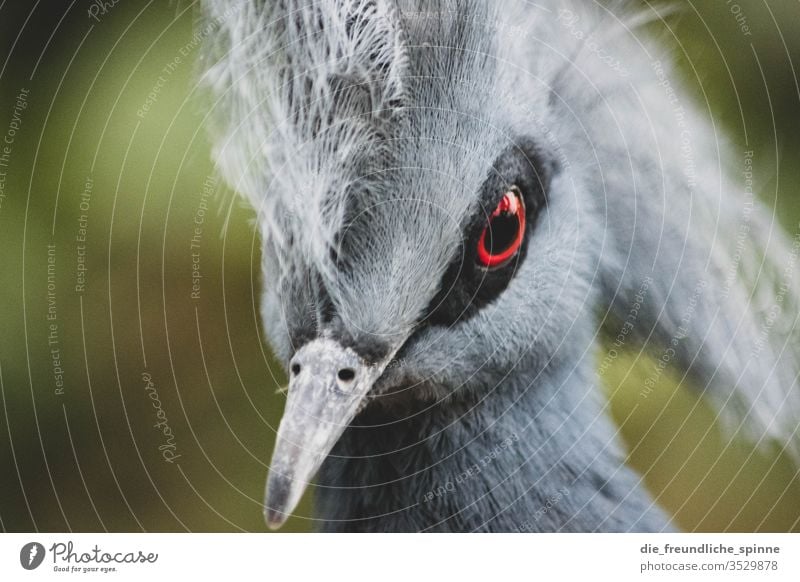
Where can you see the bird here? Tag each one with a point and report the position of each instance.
(457, 201)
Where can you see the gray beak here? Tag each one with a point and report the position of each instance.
(328, 384)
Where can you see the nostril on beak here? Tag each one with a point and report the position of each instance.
(296, 369)
(346, 374)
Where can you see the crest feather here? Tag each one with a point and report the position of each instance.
(306, 93)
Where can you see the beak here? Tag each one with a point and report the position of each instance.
(327, 387)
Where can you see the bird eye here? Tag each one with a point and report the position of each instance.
(502, 236)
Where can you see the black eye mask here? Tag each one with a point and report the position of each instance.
(469, 283)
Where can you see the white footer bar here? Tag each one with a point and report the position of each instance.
(410, 558)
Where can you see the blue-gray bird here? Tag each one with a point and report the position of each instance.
(455, 198)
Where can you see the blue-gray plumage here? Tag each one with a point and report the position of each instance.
(455, 197)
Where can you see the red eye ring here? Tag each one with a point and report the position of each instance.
(510, 210)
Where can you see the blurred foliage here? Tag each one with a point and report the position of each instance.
(89, 459)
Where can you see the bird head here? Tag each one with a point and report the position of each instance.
(420, 235)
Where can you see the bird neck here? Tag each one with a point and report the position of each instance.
(520, 457)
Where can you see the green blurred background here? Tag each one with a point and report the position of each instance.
(88, 458)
